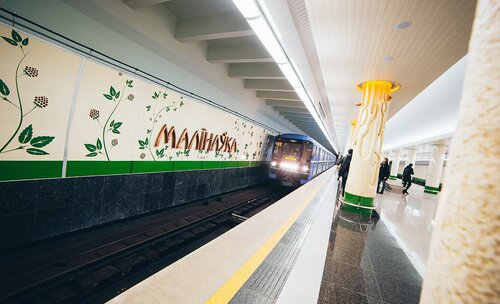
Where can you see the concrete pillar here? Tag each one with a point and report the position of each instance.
(435, 169)
(367, 143)
(396, 158)
(464, 258)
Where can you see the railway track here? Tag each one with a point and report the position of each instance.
(90, 267)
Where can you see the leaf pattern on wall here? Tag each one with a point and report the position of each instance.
(100, 147)
(27, 142)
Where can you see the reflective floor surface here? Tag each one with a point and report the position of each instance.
(410, 219)
(365, 264)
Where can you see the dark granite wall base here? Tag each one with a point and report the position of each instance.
(38, 209)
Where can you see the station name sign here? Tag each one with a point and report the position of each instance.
(199, 140)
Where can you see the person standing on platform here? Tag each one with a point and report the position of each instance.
(344, 169)
(339, 162)
(383, 174)
(407, 173)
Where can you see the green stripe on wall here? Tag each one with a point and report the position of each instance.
(152, 166)
(209, 164)
(91, 167)
(187, 165)
(16, 170)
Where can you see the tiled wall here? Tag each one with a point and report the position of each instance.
(38, 209)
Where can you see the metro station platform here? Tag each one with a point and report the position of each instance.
(302, 249)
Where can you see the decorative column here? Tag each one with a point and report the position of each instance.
(435, 169)
(367, 144)
(464, 258)
(396, 158)
(412, 156)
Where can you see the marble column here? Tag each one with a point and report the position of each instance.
(367, 142)
(396, 158)
(464, 258)
(435, 169)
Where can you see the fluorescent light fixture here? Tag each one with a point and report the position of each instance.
(258, 17)
(290, 75)
(248, 8)
(266, 36)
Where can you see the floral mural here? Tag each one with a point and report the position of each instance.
(26, 139)
(116, 97)
(58, 106)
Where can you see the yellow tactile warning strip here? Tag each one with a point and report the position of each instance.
(231, 287)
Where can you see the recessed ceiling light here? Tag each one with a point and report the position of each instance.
(403, 25)
(388, 58)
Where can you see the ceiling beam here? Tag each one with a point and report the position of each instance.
(296, 116)
(278, 95)
(223, 25)
(258, 70)
(291, 110)
(268, 85)
(303, 120)
(285, 103)
(238, 53)
(133, 4)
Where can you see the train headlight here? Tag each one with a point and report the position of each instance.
(273, 163)
(305, 168)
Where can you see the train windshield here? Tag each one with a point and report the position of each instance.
(288, 149)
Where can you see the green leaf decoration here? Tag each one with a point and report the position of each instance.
(112, 91)
(117, 125)
(116, 131)
(10, 41)
(141, 142)
(111, 123)
(117, 94)
(108, 96)
(16, 36)
(146, 142)
(98, 144)
(148, 108)
(4, 89)
(25, 42)
(41, 141)
(35, 151)
(26, 135)
(90, 147)
(93, 154)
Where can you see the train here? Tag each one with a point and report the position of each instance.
(295, 159)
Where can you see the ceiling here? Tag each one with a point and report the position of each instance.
(353, 37)
(343, 42)
(218, 26)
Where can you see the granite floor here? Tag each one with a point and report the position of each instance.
(406, 214)
(365, 264)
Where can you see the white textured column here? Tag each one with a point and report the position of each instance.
(435, 169)
(464, 259)
(412, 156)
(367, 142)
(396, 158)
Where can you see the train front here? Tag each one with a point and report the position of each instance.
(291, 160)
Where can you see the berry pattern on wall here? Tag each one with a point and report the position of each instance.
(26, 139)
(110, 125)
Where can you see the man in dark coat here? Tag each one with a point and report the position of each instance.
(383, 174)
(407, 173)
(344, 169)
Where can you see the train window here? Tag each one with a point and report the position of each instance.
(308, 152)
(293, 150)
(277, 149)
